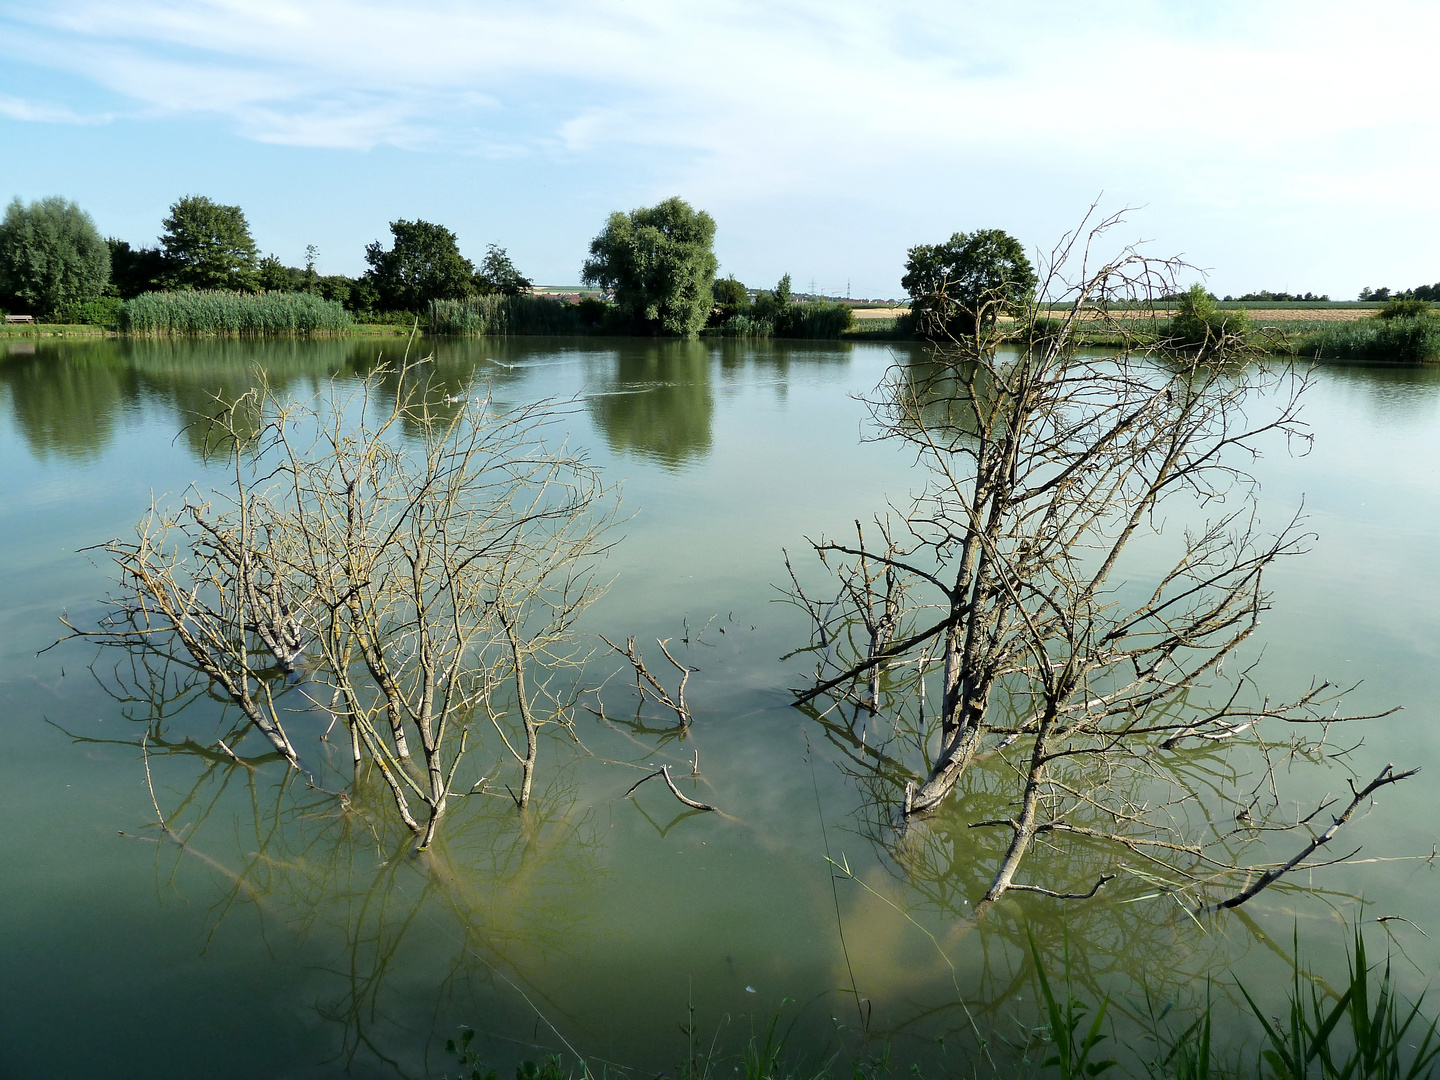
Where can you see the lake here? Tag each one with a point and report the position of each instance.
(286, 938)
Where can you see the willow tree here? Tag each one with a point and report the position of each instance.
(1060, 614)
(51, 256)
(658, 264)
(410, 572)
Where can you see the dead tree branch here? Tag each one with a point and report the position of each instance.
(406, 573)
(1070, 703)
(1387, 776)
(664, 771)
(646, 683)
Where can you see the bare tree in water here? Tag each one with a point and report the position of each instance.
(1056, 620)
(409, 568)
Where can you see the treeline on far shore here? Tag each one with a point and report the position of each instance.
(651, 271)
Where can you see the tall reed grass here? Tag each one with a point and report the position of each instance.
(1399, 340)
(899, 328)
(744, 326)
(498, 316)
(221, 313)
(814, 320)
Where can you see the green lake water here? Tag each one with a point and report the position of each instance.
(289, 940)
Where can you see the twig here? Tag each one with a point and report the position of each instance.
(1065, 895)
(1387, 775)
(655, 690)
(664, 771)
(234, 756)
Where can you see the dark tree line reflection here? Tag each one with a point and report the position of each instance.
(651, 399)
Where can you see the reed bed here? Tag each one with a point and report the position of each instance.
(884, 328)
(499, 316)
(811, 320)
(1402, 340)
(744, 326)
(231, 314)
(814, 320)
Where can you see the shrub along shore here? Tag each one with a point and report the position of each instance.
(1403, 331)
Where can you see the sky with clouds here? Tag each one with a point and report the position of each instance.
(1278, 145)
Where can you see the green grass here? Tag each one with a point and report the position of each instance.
(222, 313)
(1364, 1034)
(43, 330)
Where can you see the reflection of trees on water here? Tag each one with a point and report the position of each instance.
(1136, 939)
(413, 943)
(654, 400)
(68, 397)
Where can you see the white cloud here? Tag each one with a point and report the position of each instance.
(744, 82)
(1226, 107)
(42, 112)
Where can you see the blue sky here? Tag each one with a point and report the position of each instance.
(1277, 145)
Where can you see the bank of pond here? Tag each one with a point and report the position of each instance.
(1399, 332)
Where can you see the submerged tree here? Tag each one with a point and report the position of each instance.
(1083, 562)
(410, 589)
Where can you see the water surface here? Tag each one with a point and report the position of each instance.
(286, 939)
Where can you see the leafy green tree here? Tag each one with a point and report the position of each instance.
(1198, 321)
(275, 276)
(337, 287)
(497, 274)
(135, 270)
(659, 265)
(1406, 307)
(731, 296)
(208, 246)
(310, 280)
(423, 264)
(965, 284)
(51, 256)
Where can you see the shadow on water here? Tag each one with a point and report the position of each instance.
(492, 927)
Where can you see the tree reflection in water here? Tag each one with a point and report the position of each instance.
(413, 940)
(654, 400)
(922, 942)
